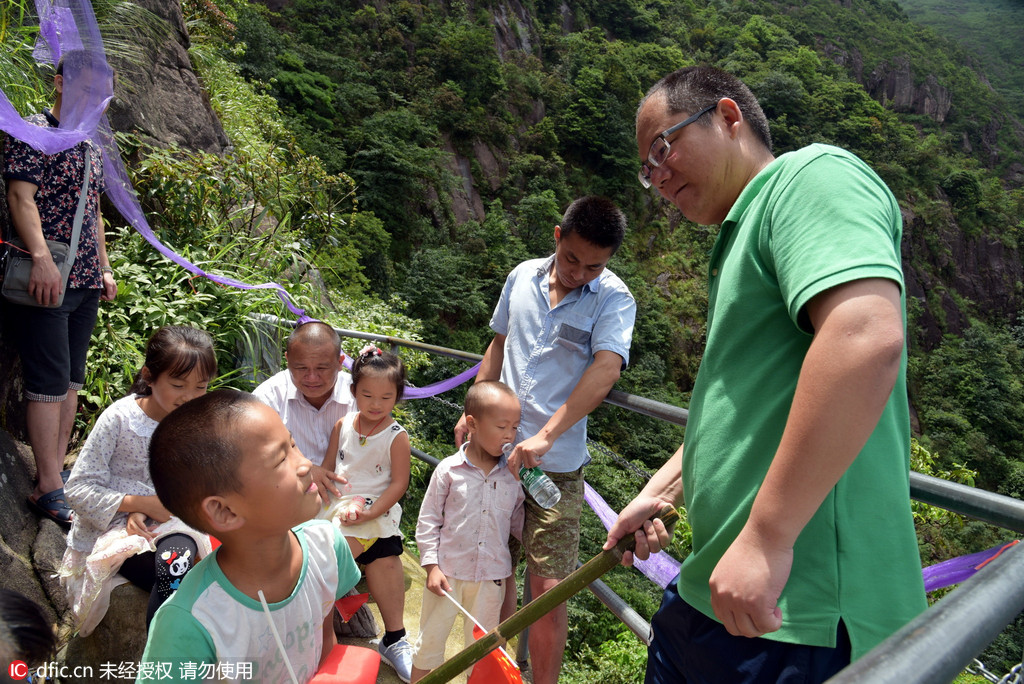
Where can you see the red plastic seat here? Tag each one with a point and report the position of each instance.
(349, 665)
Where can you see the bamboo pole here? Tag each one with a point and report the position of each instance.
(532, 611)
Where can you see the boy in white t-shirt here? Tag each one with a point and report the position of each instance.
(472, 504)
(227, 465)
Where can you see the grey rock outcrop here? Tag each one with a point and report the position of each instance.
(944, 264)
(32, 549)
(118, 641)
(162, 100)
(894, 84)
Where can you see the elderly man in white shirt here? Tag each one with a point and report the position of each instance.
(311, 395)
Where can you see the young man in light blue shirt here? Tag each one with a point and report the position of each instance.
(563, 328)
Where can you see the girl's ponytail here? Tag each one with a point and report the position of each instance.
(372, 359)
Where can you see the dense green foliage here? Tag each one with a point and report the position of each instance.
(993, 30)
(365, 134)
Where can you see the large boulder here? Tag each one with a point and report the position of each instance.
(162, 100)
(119, 639)
(30, 549)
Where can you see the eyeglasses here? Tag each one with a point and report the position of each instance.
(661, 148)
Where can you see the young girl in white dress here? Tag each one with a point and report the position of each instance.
(121, 532)
(371, 451)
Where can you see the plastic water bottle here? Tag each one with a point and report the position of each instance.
(351, 508)
(537, 483)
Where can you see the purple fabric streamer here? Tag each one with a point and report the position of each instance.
(439, 387)
(87, 93)
(956, 570)
(660, 568)
(411, 392)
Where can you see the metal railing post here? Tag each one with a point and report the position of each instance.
(999, 510)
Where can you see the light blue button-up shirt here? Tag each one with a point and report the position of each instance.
(547, 350)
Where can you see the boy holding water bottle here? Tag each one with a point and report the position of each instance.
(562, 331)
(472, 504)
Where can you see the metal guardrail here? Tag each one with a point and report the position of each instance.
(996, 509)
(934, 647)
(937, 644)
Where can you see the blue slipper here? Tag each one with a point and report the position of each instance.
(52, 505)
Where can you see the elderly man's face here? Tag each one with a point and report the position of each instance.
(692, 175)
(314, 369)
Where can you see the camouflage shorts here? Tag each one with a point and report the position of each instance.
(551, 536)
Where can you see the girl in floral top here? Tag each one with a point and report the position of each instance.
(121, 532)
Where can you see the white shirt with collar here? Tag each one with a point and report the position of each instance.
(310, 427)
(466, 518)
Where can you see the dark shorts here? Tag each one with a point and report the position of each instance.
(53, 343)
(687, 647)
(381, 548)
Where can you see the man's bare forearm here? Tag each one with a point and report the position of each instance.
(494, 357)
(25, 217)
(595, 384)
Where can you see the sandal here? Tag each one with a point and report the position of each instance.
(52, 505)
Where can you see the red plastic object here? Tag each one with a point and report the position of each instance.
(495, 668)
(350, 605)
(349, 665)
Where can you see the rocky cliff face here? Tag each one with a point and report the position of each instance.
(943, 265)
(893, 84)
(163, 100)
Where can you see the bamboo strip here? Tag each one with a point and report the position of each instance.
(531, 612)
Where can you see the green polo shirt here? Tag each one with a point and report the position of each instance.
(811, 220)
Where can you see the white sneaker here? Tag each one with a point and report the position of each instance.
(399, 656)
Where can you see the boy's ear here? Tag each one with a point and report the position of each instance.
(218, 512)
(471, 423)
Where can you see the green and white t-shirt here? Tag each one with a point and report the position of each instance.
(208, 630)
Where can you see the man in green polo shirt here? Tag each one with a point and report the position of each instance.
(795, 469)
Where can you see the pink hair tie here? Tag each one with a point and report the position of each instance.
(370, 350)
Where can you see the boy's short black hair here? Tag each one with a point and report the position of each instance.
(25, 632)
(195, 452)
(482, 396)
(77, 61)
(597, 220)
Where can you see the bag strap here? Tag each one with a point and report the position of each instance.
(76, 231)
(6, 228)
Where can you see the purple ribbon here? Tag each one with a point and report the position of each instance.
(439, 387)
(74, 27)
(660, 568)
(956, 570)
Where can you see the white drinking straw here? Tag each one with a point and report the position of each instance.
(482, 628)
(277, 637)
